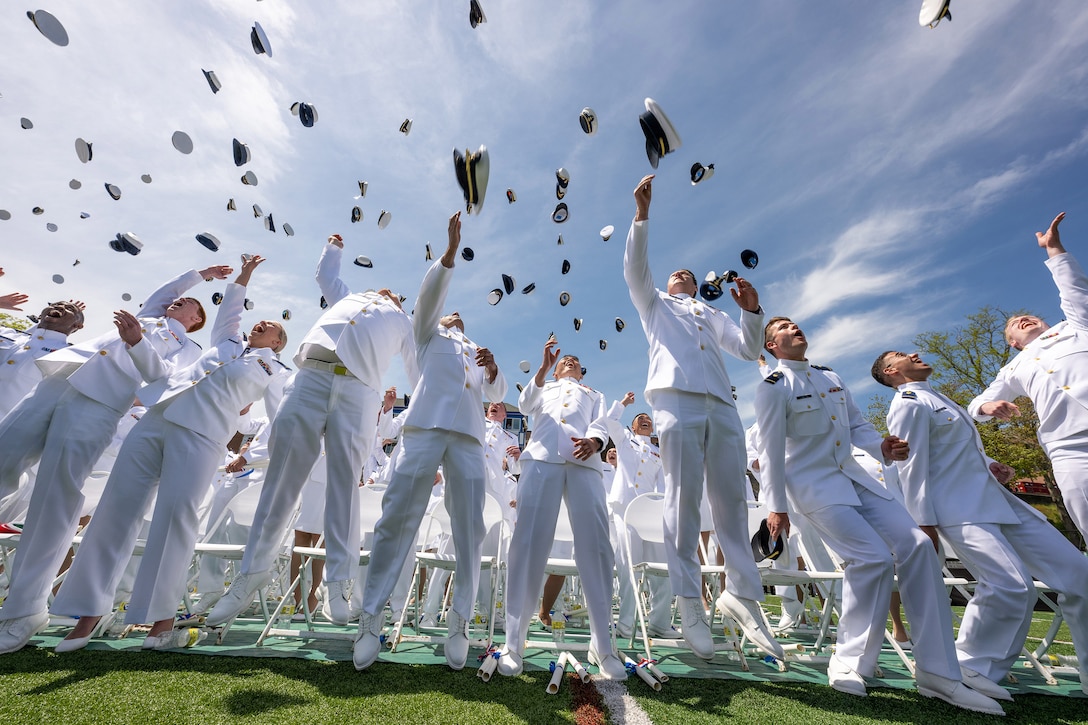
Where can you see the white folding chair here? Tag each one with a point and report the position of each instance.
(644, 518)
(438, 522)
(370, 510)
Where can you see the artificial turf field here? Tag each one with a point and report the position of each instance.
(306, 681)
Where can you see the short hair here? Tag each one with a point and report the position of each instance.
(767, 330)
(1013, 317)
(203, 315)
(878, 368)
(639, 415)
(283, 339)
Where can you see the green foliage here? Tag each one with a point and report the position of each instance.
(15, 323)
(965, 361)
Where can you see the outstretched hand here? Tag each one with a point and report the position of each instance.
(454, 233)
(745, 295)
(643, 192)
(1050, 240)
(128, 327)
(13, 301)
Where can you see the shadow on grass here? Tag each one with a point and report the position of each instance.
(237, 687)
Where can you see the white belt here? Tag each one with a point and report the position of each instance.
(334, 368)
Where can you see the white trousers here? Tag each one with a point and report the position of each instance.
(660, 615)
(701, 439)
(541, 488)
(179, 464)
(213, 569)
(76, 431)
(405, 502)
(1004, 558)
(343, 410)
(877, 540)
(1072, 479)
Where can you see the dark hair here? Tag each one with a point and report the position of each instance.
(767, 330)
(878, 368)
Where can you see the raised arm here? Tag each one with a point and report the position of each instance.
(435, 286)
(1068, 275)
(636, 260)
(157, 302)
(332, 287)
(228, 320)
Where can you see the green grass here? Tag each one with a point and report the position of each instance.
(100, 686)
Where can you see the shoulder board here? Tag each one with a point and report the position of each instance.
(819, 367)
(909, 395)
(774, 377)
(280, 363)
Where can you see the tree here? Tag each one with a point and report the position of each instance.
(965, 360)
(15, 323)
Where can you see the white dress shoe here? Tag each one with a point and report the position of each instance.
(510, 663)
(844, 679)
(748, 615)
(337, 606)
(71, 644)
(610, 666)
(695, 627)
(206, 602)
(16, 632)
(983, 684)
(368, 640)
(456, 640)
(237, 598)
(175, 639)
(666, 632)
(954, 692)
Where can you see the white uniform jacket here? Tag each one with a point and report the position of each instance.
(946, 480)
(638, 470)
(452, 387)
(365, 329)
(686, 336)
(560, 410)
(496, 440)
(101, 369)
(1053, 369)
(206, 396)
(808, 422)
(18, 351)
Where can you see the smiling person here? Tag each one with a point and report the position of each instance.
(700, 433)
(1051, 368)
(67, 422)
(951, 486)
(561, 463)
(443, 427)
(20, 349)
(174, 449)
(808, 425)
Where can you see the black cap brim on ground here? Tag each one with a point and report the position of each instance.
(49, 26)
(661, 136)
(209, 241)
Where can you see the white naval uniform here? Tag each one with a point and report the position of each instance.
(699, 430)
(18, 351)
(338, 403)
(496, 441)
(174, 450)
(68, 422)
(1053, 371)
(443, 426)
(1001, 540)
(808, 423)
(638, 471)
(550, 474)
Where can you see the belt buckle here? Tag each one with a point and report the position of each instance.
(339, 370)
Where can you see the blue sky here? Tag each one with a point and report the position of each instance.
(889, 176)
